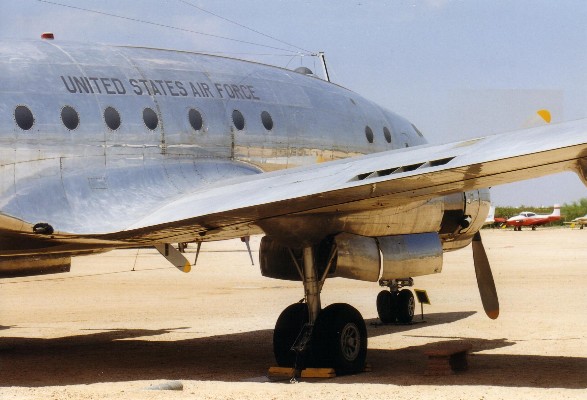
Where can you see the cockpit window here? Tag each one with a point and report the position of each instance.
(24, 117)
(417, 131)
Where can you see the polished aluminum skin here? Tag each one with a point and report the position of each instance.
(134, 146)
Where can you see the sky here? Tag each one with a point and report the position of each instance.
(457, 69)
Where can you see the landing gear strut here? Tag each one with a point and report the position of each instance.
(307, 336)
(395, 304)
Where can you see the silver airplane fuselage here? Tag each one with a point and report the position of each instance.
(94, 137)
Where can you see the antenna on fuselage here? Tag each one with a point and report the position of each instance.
(324, 68)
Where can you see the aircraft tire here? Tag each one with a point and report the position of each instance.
(287, 328)
(405, 305)
(340, 339)
(387, 306)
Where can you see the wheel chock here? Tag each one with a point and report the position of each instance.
(286, 372)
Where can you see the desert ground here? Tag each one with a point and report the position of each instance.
(125, 320)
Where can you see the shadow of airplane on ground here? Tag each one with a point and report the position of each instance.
(118, 356)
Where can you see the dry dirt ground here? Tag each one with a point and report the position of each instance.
(106, 331)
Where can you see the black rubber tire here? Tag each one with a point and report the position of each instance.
(340, 339)
(287, 328)
(405, 305)
(387, 306)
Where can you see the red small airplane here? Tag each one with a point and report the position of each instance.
(528, 218)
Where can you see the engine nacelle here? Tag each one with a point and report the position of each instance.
(359, 257)
(33, 265)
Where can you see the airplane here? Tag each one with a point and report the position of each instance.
(492, 219)
(581, 221)
(528, 218)
(108, 147)
(490, 216)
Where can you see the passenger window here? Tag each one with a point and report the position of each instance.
(69, 117)
(387, 134)
(150, 118)
(267, 120)
(112, 118)
(369, 134)
(24, 117)
(238, 120)
(196, 120)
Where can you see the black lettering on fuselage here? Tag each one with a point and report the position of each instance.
(229, 91)
(95, 82)
(89, 84)
(160, 83)
(205, 89)
(195, 91)
(118, 86)
(156, 87)
(171, 88)
(69, 89)
(136, 87)
(144, 82)
(219, 89)
(250, 87)
(107, 83)
(80, 84)
(182, 90)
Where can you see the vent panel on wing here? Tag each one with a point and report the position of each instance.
(400, 169)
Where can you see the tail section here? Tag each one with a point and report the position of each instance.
(557, 211)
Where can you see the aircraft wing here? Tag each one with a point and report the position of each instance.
(233, 208)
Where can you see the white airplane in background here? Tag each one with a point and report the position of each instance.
(106, 147)
(529, 218)
(581, 221)
(490, 216)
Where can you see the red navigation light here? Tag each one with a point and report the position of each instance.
(47, 35)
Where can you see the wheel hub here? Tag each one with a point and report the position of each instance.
(350, 343)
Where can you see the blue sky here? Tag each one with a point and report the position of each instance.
(456, 68)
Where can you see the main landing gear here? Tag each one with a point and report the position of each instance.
(307, 336)
(395, 304)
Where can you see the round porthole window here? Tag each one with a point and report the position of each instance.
(238, 120)
(267, 120)
(387, 134)
(196, 120)
(369, 134)
(112, 118)
(69, 117)
(24, 117)
(150, 118)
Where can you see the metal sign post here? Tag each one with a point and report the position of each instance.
(422, 299)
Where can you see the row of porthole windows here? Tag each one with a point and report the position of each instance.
(370, 137)
(69, 116)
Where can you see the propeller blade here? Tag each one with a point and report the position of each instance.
(174, 257)
(485, 278)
